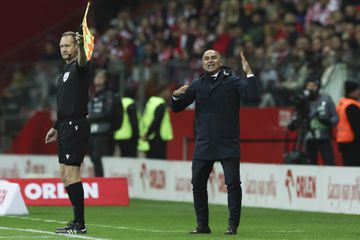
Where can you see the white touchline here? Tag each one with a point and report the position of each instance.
(28, 237)
(101, 225)
(47, 232)
(286, 231)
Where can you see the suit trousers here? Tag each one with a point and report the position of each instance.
(322, 146)
(200, 174)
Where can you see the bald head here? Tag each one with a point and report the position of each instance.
(211, 61)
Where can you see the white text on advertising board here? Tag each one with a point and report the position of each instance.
(36, 191)
(344, 192)
(261, 187)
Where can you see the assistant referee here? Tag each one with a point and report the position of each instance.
(72, 130)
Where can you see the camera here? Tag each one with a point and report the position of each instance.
(302, 109)
(301, 103)
(300, 121)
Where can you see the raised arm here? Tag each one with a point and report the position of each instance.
(82, 55)
(251, 90)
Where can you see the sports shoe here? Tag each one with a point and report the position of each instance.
(72, 228)
(72, 222)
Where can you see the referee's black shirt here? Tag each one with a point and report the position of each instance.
(72, 92)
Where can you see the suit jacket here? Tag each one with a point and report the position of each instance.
(217, 104)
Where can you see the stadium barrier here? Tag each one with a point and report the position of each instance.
(260, 128)
(293, 187)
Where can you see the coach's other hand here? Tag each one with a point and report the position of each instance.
(181, 90)
(51, 135)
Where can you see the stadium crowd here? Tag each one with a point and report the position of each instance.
(284, 40)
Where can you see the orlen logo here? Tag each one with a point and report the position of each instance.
(154, 177)
(3, 193)
(36, 191)
(305, 185)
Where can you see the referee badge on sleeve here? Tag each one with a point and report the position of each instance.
(66, 76)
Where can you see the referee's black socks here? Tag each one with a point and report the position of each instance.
(76, 195)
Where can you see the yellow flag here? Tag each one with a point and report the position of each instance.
(88, 37)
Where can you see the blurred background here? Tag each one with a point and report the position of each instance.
(146, 44)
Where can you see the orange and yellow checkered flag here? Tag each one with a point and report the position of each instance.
(88, 37)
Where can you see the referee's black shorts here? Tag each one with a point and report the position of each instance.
(73, 136)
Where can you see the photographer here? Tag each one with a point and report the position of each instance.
(315, 116)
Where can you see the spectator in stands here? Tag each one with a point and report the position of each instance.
(294, 73)
(72, 129)
(348, 129)
(217, 94)
(155, 125)
(222, 40)
(50, 52)
(320, 11)
(128, 134)
(334, 74)
(101, 116)
(15, 94)
(123, 21)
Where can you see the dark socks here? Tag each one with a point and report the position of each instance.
(71, 200)
(76, 195)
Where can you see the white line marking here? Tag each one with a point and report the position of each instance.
(136, 229)
(104, 226)
(28, 237)
(286, 231)
(47, 232)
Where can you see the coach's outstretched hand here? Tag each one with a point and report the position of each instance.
(181, 90)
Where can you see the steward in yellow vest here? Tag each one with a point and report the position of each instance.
(155, 127)
(127, 135)
(348, 129)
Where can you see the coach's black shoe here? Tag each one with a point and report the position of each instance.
(201, 229)
(232, 230)
(72, 228)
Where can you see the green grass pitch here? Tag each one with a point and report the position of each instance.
(172, 220)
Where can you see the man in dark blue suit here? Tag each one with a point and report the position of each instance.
(217, 94)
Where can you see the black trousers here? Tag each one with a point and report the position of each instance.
(128, 147)
(350, 153)
(322, 146)
(200, 174)
(157, 149)
(100, 145)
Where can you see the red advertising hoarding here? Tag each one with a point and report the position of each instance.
(51, 191)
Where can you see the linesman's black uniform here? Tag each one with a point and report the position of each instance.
(72, 124)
